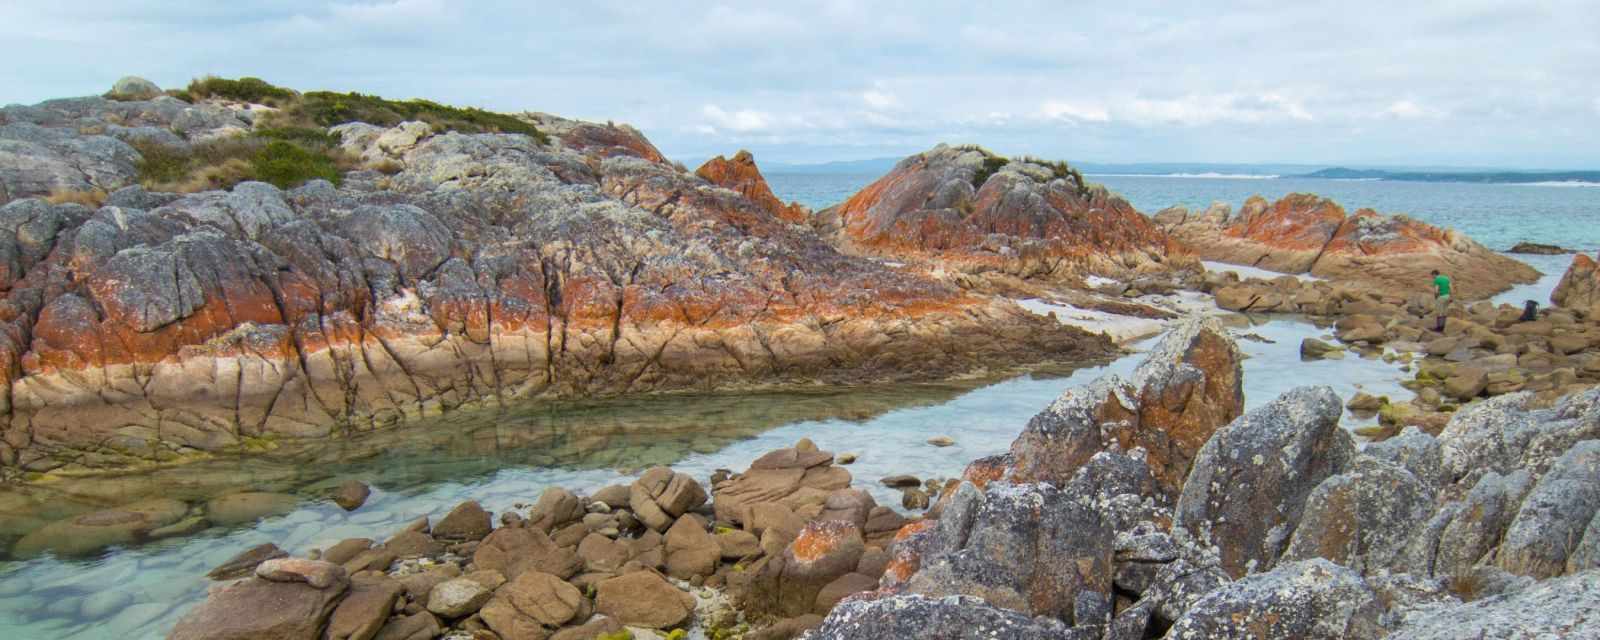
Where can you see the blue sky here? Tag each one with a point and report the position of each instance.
(1462, 82)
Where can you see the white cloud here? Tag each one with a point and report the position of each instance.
(878, 99)
(1206, 109)
(743, 120)
(1075, 111)
(1410, 110)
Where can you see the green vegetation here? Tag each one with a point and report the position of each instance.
(284, 157)
(288, 165)
(327, 109)
(244, 89)
(991, 164)
(616, 635)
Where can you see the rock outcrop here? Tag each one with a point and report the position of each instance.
(740, 174)
(1580, 285)
(1190, 384)
(1304, 233)
(486, 268)
(968, 209)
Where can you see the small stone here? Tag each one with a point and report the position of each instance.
(941, 441)
(458, 598)
(914, 499)
(351, 495)
(246, 562)
(901, 481)
(316, 573)
(468, 521)
(845, 458)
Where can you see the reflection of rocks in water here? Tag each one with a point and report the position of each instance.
(461, 447)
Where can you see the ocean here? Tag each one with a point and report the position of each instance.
(1496, 215)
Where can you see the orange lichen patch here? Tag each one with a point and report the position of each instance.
(1580, 285)
(900, 568)
(818, 539)
(741, 174)
(984, 470)
(608, 141)
(1297, 221)
(914, 529)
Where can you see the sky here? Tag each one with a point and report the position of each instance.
(1412, 82)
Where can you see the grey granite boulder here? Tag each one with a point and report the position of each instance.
(1415, 451)
(1503, 434)
(1481, 522)
(133, 88)
(1554, 516)
(929, 618)
(1361, 518)
(1250, 482)
(1565, 607)
(1307, 600)
(1030, 548)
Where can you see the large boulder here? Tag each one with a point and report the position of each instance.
(1563, 607)
(1030, 548)
(364, 609)
(929, 618)
(261, 609)
(1188, 386)
(788, 584)
(643, 599)
(514, 550)
(1248, 488)
(1309, 600)
(1555, 516)
(661, 495)
(774, 479)
(133, 88)
(1477, 527)
(1363, 517)
(1580, 285)
(1507, 433)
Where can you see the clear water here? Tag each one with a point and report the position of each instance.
(508, 457)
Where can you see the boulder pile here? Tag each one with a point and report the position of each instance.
(1284, 527)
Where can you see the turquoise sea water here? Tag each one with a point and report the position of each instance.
(508, 457)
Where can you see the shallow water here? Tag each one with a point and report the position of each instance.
(506, 458)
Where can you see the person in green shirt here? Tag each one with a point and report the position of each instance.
(1441, 302)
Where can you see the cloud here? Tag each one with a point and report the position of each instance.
(1141, 80)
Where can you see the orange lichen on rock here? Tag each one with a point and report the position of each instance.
(741, 174)
(819, 539)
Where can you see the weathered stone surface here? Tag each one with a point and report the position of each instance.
(1553, 518)
(467, 521)
(691, 551)
(246, 562)
(514, 550)
(1477, 527)
(1580, 285)
(258, 609)
(364, 608)
(88, 533)
(133, 88)
(1563, 607)
(1415, 451)
(1188, 386)
(458, 598)
(556, 507)
(351, 494)
(1504, 434)
(1029, 548)
(1025, 219)
(491, 265)
(419, 626)
(1304, 233)
(661, 495)
(643, 599)
(787, 584)
(772, 481)
(845, 585)
(1312, 600)
(1249, 484)
(1363, 517)
(318, 574)
(541, 596)
(740, 174)
(919, 616)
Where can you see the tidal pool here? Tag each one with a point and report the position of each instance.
(506, 457)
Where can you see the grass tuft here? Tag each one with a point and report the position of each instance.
(246, 89)
(91, 198)
(287, 165)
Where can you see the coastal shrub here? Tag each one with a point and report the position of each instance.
(288, 165)
(91, 198)
(244, 90)
(991, 164)
(310, 136)
(327, 109)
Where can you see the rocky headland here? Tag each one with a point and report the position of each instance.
(1304, 233)
(969, 210)
(1146, 507)
(158, 308)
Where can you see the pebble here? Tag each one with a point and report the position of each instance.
(941, 441)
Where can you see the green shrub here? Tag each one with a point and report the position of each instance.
(991, 164)
(243, 89)
(160, 163)
(288, 165)
(309, 136)
(327, 109)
